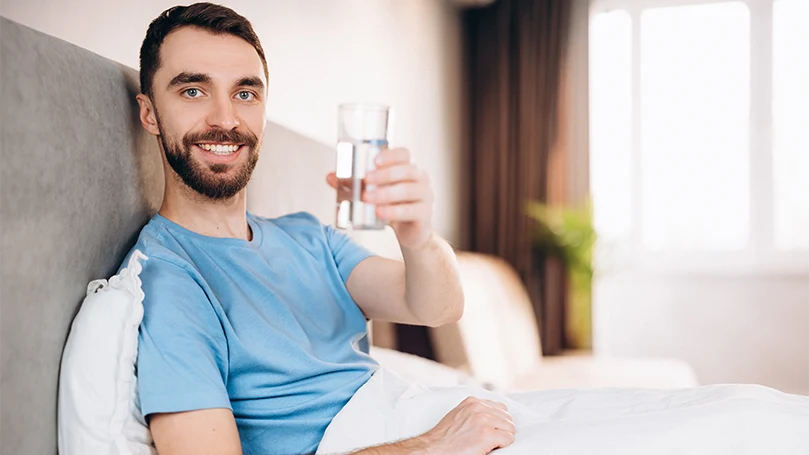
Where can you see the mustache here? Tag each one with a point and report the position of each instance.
(220, 135)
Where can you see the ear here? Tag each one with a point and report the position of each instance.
(147, 114)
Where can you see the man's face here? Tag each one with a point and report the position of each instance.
(209, 104)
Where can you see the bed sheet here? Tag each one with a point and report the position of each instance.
(718, 419)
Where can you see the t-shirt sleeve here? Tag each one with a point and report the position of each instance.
(347, 253)
(182, 349)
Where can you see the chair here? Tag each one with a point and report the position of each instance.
(497, 341)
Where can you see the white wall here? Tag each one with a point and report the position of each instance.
(405, 53)
(731, 327)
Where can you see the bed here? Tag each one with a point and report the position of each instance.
(79, 178)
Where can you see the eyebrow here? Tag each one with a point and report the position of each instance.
(251, 81)
(202, 78)
(188, 78)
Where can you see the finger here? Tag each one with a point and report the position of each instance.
(496, 418)
(503, 438)
(331, 179)
(495, 404)
(493, 438)
(390, 157)
(504, 423)
(403, 212)
(397, 194)
(498, 412)
(395, 173)
(470, 399)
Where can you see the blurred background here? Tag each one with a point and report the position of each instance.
(639, 167)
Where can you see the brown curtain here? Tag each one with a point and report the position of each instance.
(514, 59)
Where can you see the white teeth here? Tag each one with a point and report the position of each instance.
(219, 149)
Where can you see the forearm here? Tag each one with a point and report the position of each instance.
(413, 446)
(433, 290)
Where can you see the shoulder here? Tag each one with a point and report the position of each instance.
(161, 250)
(300, 225)
(157, 242)
(174, 292)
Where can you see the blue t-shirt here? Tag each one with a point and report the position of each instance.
(266, 328)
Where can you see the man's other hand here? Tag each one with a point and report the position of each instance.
(474, 427)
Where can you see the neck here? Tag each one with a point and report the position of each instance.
(195, 212)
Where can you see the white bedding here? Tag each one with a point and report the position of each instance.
(723, 419)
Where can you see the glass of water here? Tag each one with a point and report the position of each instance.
(362, 134)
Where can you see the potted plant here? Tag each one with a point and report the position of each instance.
(568, 234)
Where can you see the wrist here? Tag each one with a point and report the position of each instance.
(422, 444)
(420, 246)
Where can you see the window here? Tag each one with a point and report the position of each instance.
(790, 107)
(683, 97)
(611, 123)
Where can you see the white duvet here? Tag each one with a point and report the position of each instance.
(722, 419)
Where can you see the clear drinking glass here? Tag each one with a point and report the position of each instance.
(362, 134)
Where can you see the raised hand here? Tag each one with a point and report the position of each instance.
(403, 196)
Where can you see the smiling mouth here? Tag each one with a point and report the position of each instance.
(220, 149)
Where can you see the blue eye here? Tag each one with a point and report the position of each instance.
(192, 92)
(246, 96)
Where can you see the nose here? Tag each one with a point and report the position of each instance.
(223, 114)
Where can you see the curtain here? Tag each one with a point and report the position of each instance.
(514, 57)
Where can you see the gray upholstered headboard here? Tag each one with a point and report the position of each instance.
(79, 177)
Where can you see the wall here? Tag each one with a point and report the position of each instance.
(406, 53)
(731, 327)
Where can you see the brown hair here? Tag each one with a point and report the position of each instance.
(216, 19)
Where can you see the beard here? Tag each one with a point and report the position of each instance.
(210, 180)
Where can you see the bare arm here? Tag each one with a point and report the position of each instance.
(433, 287)
(424, 290)
(214, 432)
(474, 427)
(203, 432)
(413, 446)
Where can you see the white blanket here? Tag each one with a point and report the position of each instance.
(723, 419)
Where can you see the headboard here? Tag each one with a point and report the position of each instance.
(79, 177)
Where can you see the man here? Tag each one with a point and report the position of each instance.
(253, 328)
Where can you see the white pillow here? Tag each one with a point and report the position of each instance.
(419, 369)
(98, 405)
